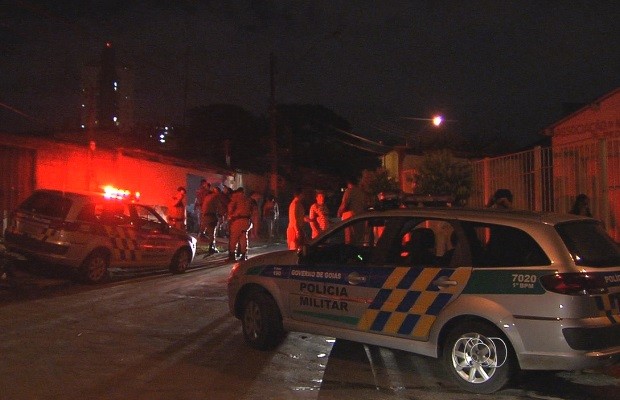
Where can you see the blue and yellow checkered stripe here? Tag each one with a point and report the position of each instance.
(408, 303)
(609, 305)
(124, 243)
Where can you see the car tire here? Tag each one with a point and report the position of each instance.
(180, 262)
(478, 357)
(261, 321)
(94, 268)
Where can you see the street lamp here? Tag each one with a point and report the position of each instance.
(436, 121)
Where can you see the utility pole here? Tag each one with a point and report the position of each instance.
(273, 128)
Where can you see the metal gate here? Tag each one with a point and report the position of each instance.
(549, 179)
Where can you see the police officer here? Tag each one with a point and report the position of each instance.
(201, 192)
(211, 207)
(239, 214)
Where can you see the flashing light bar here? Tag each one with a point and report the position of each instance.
(110, 192)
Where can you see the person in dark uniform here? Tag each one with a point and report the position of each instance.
(239, 214)
(201, 192)
(211, 208)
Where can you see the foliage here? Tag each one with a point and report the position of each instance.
(377, 181)
(442, 174)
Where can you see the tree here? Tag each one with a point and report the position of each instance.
(377, 181)
(442, 174)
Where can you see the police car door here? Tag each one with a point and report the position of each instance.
(396, 283)
(425, 269)
(155, 241)
(329, 286)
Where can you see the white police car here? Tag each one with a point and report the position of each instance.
(95, 232)
(487, 291)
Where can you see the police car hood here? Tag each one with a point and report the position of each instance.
(281, 257)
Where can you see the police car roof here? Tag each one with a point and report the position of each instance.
(486, 214)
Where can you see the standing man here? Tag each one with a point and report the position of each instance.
(295, 235)
(353, 203)
(271, 214)
(201, 192)
(176, 209)
(319, 215)
(239, 214)
(211, 208)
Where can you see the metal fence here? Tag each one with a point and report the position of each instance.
(549, 179)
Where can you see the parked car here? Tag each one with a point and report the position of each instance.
(488, 292)
(92, 233)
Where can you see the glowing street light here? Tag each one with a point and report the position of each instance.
(437, 120)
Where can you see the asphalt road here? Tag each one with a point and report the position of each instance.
(162, 336)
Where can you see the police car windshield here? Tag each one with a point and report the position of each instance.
(589, 244)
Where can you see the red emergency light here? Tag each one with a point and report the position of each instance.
(111, 192)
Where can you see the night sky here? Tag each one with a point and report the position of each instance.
(491, 67)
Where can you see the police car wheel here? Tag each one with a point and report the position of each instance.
(478, 358)
(261, 321)
(180, 261)
(94, 269)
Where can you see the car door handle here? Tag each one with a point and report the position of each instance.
(355, 279)
(444, 282)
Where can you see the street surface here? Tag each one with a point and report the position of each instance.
(162, 336)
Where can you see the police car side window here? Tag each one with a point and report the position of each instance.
(87, 214)
(427, 242)
(502, 246)
(146, 219)
(111, 213)
(352, 244)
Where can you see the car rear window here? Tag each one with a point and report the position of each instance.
(589, 243)
(47, 204)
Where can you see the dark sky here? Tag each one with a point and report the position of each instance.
(497, 67)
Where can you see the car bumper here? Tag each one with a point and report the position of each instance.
(34, 249)
(565, 344)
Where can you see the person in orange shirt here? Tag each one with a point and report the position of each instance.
(176, 210)
(295, 235)
(319, 215)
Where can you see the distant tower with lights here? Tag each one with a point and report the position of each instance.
(107, 95)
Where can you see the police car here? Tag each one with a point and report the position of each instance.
(92, 233)
(488, 292)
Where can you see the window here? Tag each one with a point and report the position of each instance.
(147, 219)
(426, 243)
(352, 244)
(47, 204)
(502, 246)
(589, 244)
(396, 241)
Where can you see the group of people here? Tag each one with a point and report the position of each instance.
(213, 207)
(353, 202)
(503, 199)
(216, 206)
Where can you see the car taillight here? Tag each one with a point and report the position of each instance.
(573, 283)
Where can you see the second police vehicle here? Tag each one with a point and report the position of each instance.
(95, 232)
